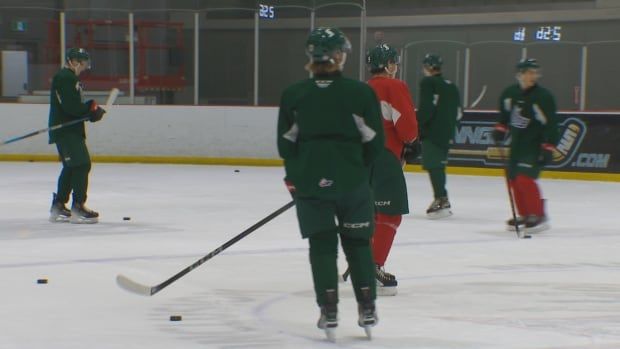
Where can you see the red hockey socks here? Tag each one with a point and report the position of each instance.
(383, 237)
(527, 196)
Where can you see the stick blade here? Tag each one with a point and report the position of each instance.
(131, 286)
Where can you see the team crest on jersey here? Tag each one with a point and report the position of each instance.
(324, 183)
(517, 119)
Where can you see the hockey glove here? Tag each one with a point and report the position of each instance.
(97, 114)
(412, 151)
(546, 154)
(290, 187)
(95, 111)
(499, 133)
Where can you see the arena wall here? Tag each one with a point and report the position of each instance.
(246, 136)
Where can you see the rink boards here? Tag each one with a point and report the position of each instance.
(246, 136)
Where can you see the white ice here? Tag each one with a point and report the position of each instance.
(464, 282)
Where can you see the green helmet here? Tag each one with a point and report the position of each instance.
(323, 43)
(526, 64)
(79, 54)
(432, 61)
(379, 57)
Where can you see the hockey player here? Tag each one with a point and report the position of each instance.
(66, 104)
(329, 133)
(528, 114)
(387, 179)
(439, 109)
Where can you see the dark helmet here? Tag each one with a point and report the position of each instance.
(323, 43)
(79, 54)
(432, 61)
(527, 64)
(379, 57)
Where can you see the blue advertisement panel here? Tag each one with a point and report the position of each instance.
(590, 142)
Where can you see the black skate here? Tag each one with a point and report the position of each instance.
(386, 282)
(328, 320)
(59, 213)
(510, 224)
(536, 224)
(367, 312)
(439, 208)
(81, 214)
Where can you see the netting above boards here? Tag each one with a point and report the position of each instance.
(225, 5)
(231, 8)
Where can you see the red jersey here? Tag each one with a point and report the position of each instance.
(399, 118)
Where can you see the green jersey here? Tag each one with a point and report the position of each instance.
(531, 116)
(329, 132)
(66, 104)
(439, 108)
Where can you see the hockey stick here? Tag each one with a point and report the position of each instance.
(132, 286)
(475, 103)
(108, 104)
(510, 196)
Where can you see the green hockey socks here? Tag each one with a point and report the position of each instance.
(438, 181)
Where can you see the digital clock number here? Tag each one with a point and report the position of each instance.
(519, 34)
(549, 33)
(266, 11)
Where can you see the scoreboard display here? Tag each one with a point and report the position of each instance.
(541, 33)
(266, 11)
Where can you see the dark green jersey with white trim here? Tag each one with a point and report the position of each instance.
(329, 132)
(66, 104)
(531, 117)
(439, 108)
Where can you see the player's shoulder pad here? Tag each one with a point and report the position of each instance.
(544, 91)
(66, 75)
(356, 84)
(428, 81)
(400, 83)
(297, 86)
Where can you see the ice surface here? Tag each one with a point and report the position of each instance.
(464, 282)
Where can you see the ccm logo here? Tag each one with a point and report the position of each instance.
(357, 225)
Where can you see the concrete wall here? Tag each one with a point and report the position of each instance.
(176, 131)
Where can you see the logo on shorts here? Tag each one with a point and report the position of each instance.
(383, 203)
(324, 183)
(356, 225)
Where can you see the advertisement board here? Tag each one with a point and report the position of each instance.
(589, 142)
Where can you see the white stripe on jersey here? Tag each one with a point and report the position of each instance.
(368, 134)
(390, 113)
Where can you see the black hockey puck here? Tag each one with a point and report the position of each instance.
(527, 236)
(126, 218)
(176, 318)
(236, 170)
(41, 281)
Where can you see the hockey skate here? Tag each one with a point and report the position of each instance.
(386, 282)
(59, 213)
(510, 224)
(81, 214)
(535, 224)
(328, 321)
(439, 208)
(367, 312)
